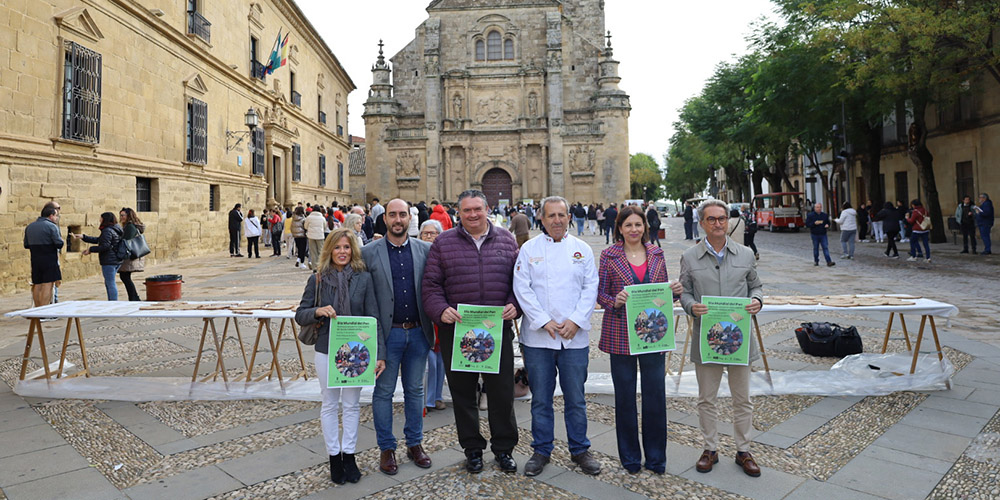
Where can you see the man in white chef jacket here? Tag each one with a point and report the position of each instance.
(555, 281)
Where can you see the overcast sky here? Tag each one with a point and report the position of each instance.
(667, 50)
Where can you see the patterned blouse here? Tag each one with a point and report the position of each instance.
(615, 273)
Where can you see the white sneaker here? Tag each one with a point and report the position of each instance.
(911, 259)
(844, 256)
(928, 261)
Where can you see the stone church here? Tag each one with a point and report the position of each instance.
(518, 98)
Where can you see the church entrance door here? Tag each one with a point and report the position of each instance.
(497, 186)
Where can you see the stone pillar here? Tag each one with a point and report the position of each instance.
(268, 170)
(554, 101)
(445, 174)
(286, 195)
(433, 102)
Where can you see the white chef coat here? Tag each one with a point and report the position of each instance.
(555, 281)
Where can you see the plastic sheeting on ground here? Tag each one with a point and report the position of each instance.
(858, 375)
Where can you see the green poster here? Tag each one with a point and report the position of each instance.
(477, 339)
(353, 352)
(649, 311)
(725, 331)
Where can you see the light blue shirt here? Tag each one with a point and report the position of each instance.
(718, 254)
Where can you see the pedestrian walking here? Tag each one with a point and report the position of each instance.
(434, 384)
(601, 225)
(439, 214)
(653, 219)
(316, 227)
(610, 215)
(555, 282)
(299, 235)
(252, 231)
(345, 289)
(849, 228)
(984, 220)
(818, 222)
(750, 232)
(474, 264)
(719, 267)
(43, 241)
(695, 222)
(276, 225)
(633, 260)
(965, 217)
(592, 219)
(892, 224)
(132, 228)
(109, 249)
(579, 218)
(520, 225)
(287, 238)
(688, 222)
(235, 223)
(920, 223)
(878, 228)
(861, 224)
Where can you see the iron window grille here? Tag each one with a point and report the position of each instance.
(296, 162)
(340, 130)
(322, 170)
(82, 94)
(199, 26)
(296, 98)
(197, 131)
(257, 70)
(322, 117)
(258, 151)
(143, 194)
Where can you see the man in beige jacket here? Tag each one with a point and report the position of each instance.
(719, 266)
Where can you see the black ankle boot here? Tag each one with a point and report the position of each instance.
(351, 472)
(337, 468)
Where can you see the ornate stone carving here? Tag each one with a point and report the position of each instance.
(495, 110)
(581, 159)
(532, 105)
(456, 106)
(407, 165)
(554, 60)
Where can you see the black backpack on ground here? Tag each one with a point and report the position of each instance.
(828, 339)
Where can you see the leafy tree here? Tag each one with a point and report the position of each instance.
(687, 163)
(646, 180)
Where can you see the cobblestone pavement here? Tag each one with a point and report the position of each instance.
(943, 444)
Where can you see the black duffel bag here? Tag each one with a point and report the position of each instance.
(828, 339)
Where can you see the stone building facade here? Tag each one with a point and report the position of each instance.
(141, 103)
(519, 98)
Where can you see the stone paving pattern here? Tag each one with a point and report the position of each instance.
(943, 444)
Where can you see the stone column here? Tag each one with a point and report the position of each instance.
(554, 101)
(445, 174)
(268, 170)
(286, 195)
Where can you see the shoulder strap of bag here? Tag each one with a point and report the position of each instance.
(316, 299)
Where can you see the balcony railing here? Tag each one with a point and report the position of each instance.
(257, 70)
(296, 98)
(198, 25)
(340, 130)
(322, 117)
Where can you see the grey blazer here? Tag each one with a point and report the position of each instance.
(362, 304)
(701, 274)
(376, 257)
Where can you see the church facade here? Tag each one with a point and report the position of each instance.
(519, 98)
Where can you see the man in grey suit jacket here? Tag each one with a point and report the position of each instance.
(396, 263)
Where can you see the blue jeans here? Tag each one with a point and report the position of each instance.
(542, 365)
(109, 272)
(435, 378)
(652, 367)
(847, 240)
(915, 239)
(406, 353)
(820, 239)
(580, 223)
(984, 232)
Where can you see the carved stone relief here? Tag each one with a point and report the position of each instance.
(407, 164)
(456, 107)
(532, 105)
(495, 110)
(581, 159)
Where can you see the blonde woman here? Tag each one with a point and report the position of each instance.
(345, 289)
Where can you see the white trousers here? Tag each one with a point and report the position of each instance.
(289, 241)
(709, 377)
(592, 225)
(342, 403)
(877, 231)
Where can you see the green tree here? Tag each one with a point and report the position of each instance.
(646, 180)
(688, 164)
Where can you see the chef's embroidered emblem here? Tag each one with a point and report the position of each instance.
(577, 255)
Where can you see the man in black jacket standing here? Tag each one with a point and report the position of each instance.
(609, 220)
(688, 221)
(43, 240)
(235, 222)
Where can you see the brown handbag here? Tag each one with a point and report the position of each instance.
(309, 333)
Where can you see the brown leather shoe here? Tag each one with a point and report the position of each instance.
(421, 459)
(707, 459)
(745, 460)
(387, 463)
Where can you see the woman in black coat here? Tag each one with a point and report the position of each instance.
(891, 224)
(108, 249)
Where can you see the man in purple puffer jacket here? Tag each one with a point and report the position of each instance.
(474, 264)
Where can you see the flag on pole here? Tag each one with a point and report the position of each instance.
(273, 61)
(284, 51)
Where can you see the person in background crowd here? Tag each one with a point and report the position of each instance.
(965, 217)
(918, 234)
(878, 228)
(592, 219)
(653, 218)
(108, 250)
(818, 222)
(750, 232)
(265, 227)
(133, 227)
(276, 225)
(905, 229)
(579, 218)
(632, 260)
(396, 263)
(299, 234)
(849, 225)
(252, 230)
(530, 212)
(355, 224)
(287, 238)
(474, 264)
(43, 241)
(336, 213)
(891, 224)
(694, 223)
(316, 227)
(555, 282)
(345, 289)
(439, 214)
(422, 212)
(367, 224)
(861, 223)
(600, 218)
(688, 222)
(984, 220)
(377, 209)
(520, 226)
(414, 229)
(720, 267)
(434, 385)
(235, 223)
(736, 224)
(610, 215)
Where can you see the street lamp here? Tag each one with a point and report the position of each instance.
(251, 120)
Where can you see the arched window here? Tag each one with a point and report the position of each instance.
(508, 49)
(494, 46)
(480, 50)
